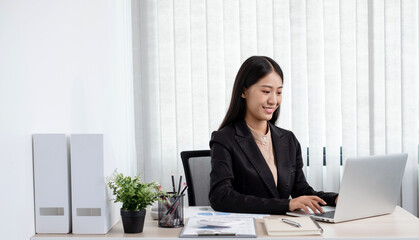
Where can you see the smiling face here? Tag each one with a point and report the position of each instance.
(262, 99)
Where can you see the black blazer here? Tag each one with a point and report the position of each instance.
(241, 181)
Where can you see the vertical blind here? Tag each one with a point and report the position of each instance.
(350, 78)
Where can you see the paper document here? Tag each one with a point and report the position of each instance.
(219, 226)
(202, 211)
(220, 222)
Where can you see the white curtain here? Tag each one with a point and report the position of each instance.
(350, 78)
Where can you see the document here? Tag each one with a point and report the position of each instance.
(292, 226)
(202, 211)
(219, 227)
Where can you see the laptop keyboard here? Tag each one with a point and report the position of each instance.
(330, 214)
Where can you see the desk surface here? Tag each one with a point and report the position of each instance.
(399, 224)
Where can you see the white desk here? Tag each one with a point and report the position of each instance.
(399, 224)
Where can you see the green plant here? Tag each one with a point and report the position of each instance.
(131, 192)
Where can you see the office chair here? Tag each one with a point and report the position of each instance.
(197, 167)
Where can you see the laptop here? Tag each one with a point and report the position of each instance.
(370, 187)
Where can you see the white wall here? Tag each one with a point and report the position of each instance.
(65, 67)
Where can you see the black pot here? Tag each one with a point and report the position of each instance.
(133, 221)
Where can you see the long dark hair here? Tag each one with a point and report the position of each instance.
(251, 71)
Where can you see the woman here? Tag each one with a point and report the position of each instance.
(257, 166)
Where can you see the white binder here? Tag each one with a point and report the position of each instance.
(90, 202)
(51, 183)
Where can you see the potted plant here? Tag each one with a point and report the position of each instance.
(135, 196)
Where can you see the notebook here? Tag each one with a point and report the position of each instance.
(277, 226)
(370, 187)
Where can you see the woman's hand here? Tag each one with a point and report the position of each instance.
(305, 202)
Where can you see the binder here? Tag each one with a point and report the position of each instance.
(51, 183)
(91, 205)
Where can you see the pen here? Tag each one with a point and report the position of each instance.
(180, 184)
(214, 233)
(173, 184)
(184, 188)
(295, 224)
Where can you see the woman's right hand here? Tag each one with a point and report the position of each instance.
(305, 202)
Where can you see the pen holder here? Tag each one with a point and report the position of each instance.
(171, 211)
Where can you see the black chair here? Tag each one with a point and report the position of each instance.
(197, 167)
